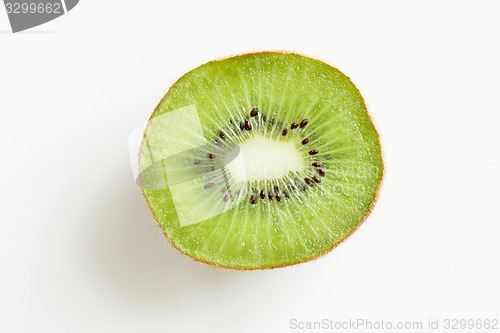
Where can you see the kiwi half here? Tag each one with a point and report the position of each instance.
(260, 160)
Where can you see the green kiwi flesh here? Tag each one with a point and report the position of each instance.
(260, 160)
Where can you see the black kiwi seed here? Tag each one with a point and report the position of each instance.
(305, 141)
(308, 181)
(242, 126)
(286, 194)
(278, 197)
(248, 126)
(284, 132)
(211, 156)
(208, 185)
(276, 188)
(252, 199)
(316, 179)
(254, 112)
(304, 122)
(264, 118)
(262, 194)
(222, 135)
(294, 125)
(316, 164)
(226, 197)
(270, 195)
(196, 162)
(321, 172)
(313, 152)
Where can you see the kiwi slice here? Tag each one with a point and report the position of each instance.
(260, 160)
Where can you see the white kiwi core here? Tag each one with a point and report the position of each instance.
(261, 158)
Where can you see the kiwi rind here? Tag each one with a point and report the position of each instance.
(356, 227)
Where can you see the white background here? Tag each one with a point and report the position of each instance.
(79, 251)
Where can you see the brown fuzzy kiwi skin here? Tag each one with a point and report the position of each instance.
(358, 225)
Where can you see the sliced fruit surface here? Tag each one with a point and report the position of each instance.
(260, 160)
